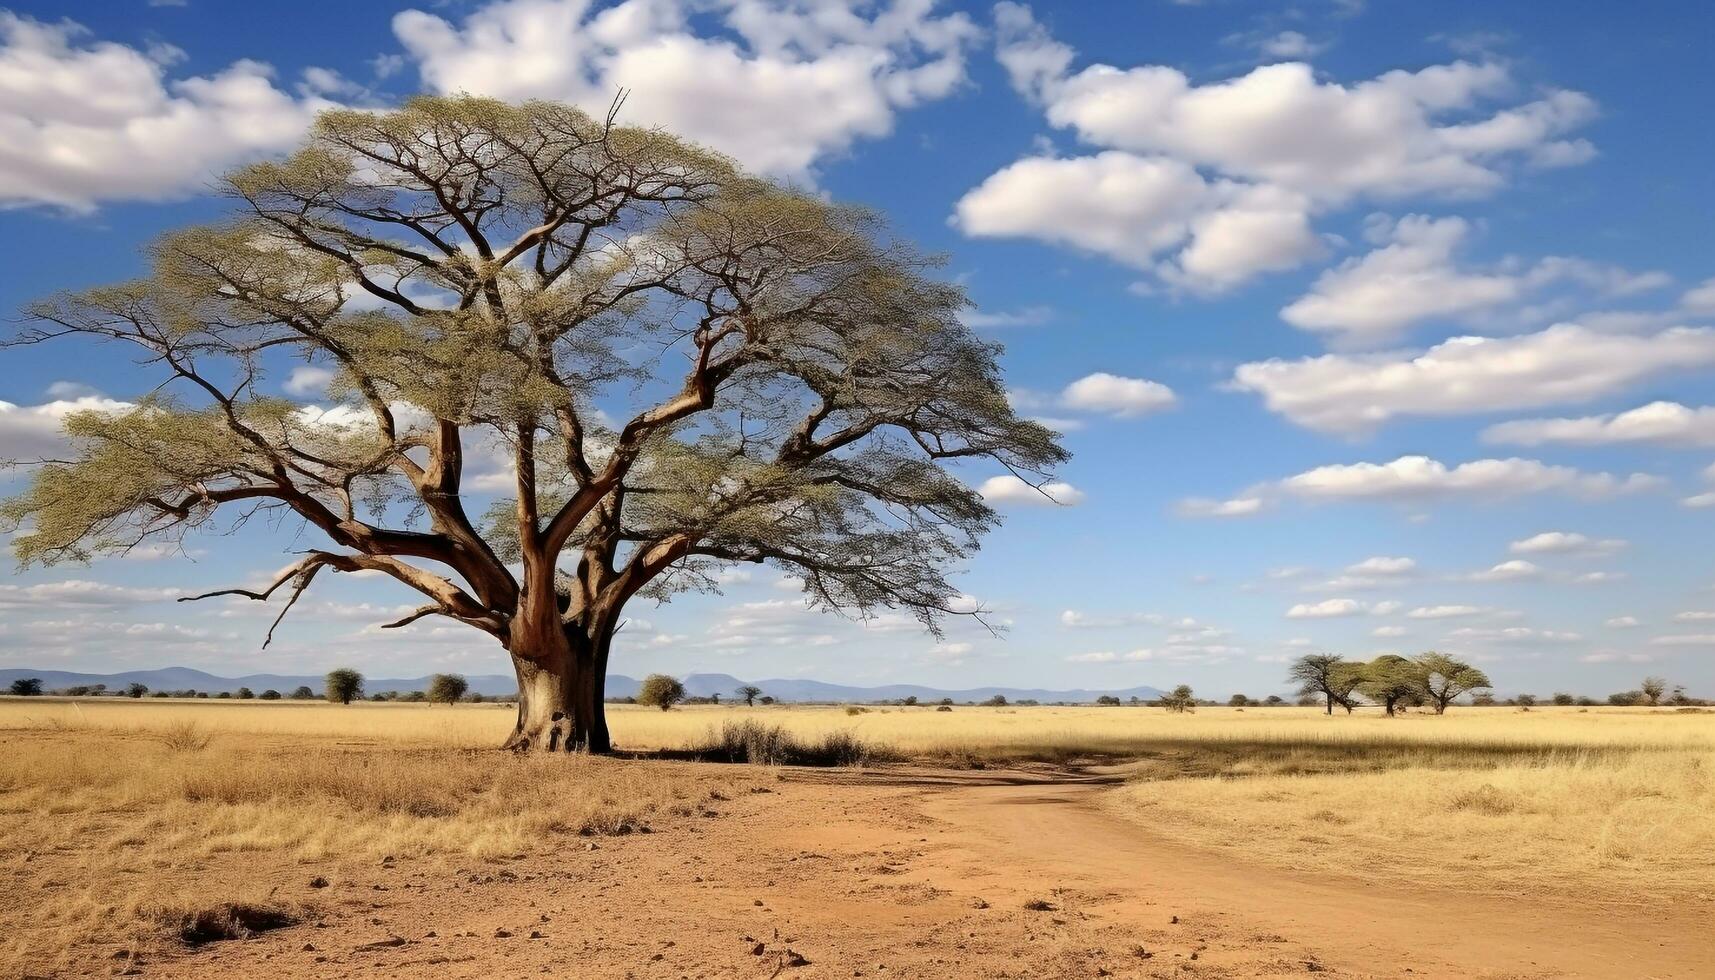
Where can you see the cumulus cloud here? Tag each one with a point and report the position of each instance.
(84, 120)
(1507, 571)
(1411, 278)
(1116, 395)
(1658, 423)
(1353, 394)
(30, 432)
(1280, 145)
(1327, 609)
(1234, 507)
(1622, 622)
(783, 85)
(1445, 612)
(1383, 565)
(1420, 477)
(1565, 543)
(308, 380)
(80, 592)
(1010, 490)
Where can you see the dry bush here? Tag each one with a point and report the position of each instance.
(752, 741)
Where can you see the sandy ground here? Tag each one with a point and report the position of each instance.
(898, 873)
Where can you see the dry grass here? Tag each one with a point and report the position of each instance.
(110, 834)
(116, 810)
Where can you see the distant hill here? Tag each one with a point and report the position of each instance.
(618, 686)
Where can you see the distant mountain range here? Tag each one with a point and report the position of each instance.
(618, 686)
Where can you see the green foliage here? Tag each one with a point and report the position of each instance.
(302, 693)
(1328, 675)
(27, 687)
(447, 688)
(1562, 699)
(1653, 689)
(1393, 681)
(1446, 678)
(246, 694)
(661, 691)
(136, 690)
(270, 695)
(343, 685)
(1179, 700)
(1108, 700)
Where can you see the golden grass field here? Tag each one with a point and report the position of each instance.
(129, 799)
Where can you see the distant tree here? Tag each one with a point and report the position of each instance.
(343, 684)
(302, 693)
(246, 694)
(27, 687)
(1653, 689)
(1108, 699)
(447, 688)
(998, 701)
(661, 691)
(1274, 701)
(160, 694)
(1482, 699)
(1628, 699)
(1563, 699)
(1678, 696)
(765, 699)
(200, 694)
(1526, 700)
(224, 696)
(1392, 681)
(910, 701)
(1328, 675)
(270, 695)
(748, 693)
(1179, 700)
(1446, 677)
(475, 697)
(136, 690)
(1588, 702)
(1238, 701)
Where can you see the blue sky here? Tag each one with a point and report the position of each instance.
(1236, 251)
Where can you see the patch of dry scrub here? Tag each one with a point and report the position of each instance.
(107, 833)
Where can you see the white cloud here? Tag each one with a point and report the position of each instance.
(35, 431)
(1098, 657)
(784, 85)
(1659, 423)
(1116, 395)
(1353, 394)
(1412, 278)
(1389, 632)
(1685, 640)
(1445, 612)
(79, 592)
(1565, 543)
(1327, 609)
(1695, 616)
(1507, 571)
(1515, 634)
(1278, 124)
(1383, 565)
(1004, 490)
(1029, 316)
(1279, 146)
(1419, 477)
(1700, 299)
(1235, 507)
(308, 380)
(83, 121)
(1622, 622)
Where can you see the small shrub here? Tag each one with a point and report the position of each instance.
(184, 736)
(661, 691)
(246, 694)
(944, 707)
(772, 745)
(447, 688)
(270, 695)
(230, 920)
(853, 710)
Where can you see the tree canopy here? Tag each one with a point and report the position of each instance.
(679, 366)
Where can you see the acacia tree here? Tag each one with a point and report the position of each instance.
(749, 693)
(1446, 677)
(1391, 680)
(1328, 675)
(680, 365)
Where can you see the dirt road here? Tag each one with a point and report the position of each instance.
(921, 874)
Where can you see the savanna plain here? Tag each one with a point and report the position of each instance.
(176, 838)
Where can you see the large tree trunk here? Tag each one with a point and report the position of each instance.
(561, 684)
